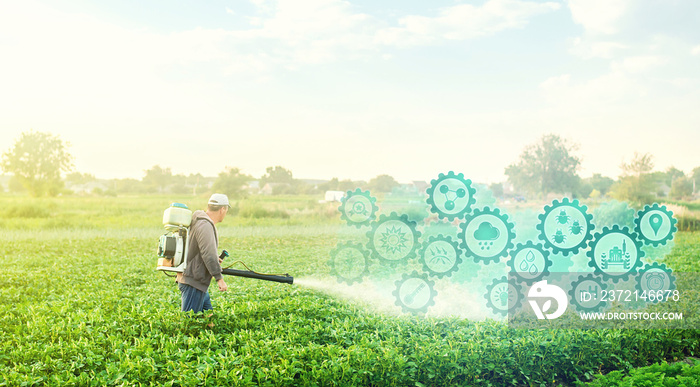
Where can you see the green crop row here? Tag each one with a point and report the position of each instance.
(92, 311)
(83, 306)
(663, 374)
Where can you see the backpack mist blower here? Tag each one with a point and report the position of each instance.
(173, 246)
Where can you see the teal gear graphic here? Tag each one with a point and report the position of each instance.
(529, 262)
(503, 295)
(451, 196)
(415, 293)
(358, 208)
(440, 256)
(592, 286)
(393, 239)
(565, 227)
(616, 248)
(655, 225)
(654, 278)
(487, 235)
(349, 262)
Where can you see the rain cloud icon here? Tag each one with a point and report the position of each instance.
(486, 232)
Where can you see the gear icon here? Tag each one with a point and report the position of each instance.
(615, 249)
(655, 225)
(358, 208)
(349, 262)
(503, 295)
(440, 256)
(565, 227)
(487, 235)
(415, 293)
(586, 293)
(655, 278)
(529, 262)
(393, 239)
(451, 196)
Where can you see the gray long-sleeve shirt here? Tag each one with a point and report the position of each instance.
(202, 258)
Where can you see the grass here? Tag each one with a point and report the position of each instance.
(81, 304)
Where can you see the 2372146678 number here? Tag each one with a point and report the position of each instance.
(634, 295)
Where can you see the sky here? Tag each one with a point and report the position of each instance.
(351, 89)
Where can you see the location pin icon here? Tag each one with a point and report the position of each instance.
(655, 221)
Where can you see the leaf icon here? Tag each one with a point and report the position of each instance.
(546, 306)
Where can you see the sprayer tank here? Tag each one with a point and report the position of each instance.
(177, 215)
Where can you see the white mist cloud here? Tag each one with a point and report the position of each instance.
(587, 48)
(599, 16)
(638, 64)
(462, 22)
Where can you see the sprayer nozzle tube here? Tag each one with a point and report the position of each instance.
(287, 279)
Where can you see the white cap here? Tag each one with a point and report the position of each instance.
(218, 199)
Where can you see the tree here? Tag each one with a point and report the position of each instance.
(36, 161)
(681, 188)
(546, 166)
(157, 178)
(673, 173)
(597, 183)
(601, 183)
(80, 178)
(283, 183)
(636, 184)
(696, 179)
(496, 189)
(194, 180)
(15, 185)
(277, 174)
(382, 183)
(232, 182)
(179, 185)
(128, 186)
(340, 185)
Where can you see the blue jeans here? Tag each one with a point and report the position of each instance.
(194, 299)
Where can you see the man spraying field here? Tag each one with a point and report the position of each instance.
(203, 262)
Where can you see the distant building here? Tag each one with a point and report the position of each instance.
(334, 196)
(421, 186)
(89, 187)
(271, 188)
(253, 187)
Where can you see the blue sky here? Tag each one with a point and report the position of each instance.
(352, 89)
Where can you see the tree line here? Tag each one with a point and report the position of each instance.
(40, 164)
(551, 166)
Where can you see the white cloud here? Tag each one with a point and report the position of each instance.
(284, 34)
(599, 16)
(587, 48)
(695, 50)
(556, 83)
(638, 64)
(464, 21)
(320, 31)
(601, 93)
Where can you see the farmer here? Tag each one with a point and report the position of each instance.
(203, 262)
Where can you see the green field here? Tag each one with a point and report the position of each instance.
(81, 304)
